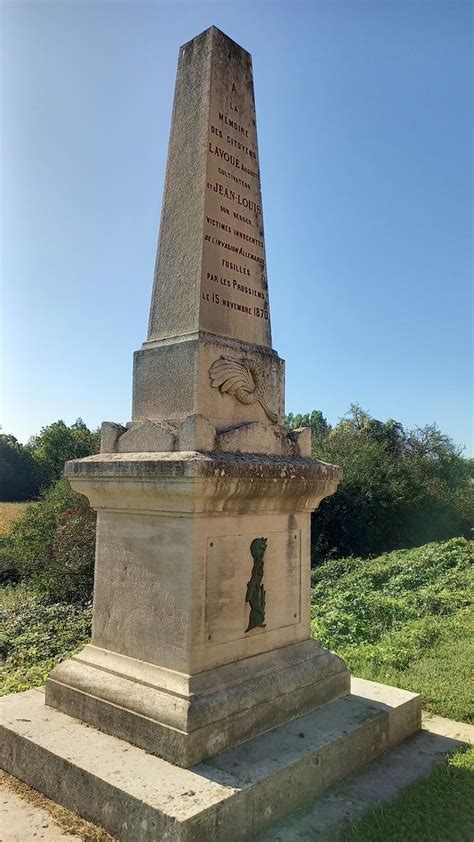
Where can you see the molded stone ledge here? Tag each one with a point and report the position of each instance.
(185, 719)
(194, 464)
(197, 482)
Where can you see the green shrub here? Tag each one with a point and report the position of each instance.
(53, 545)
(70, 575)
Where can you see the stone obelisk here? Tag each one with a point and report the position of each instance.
(201, 647)
(201, 624)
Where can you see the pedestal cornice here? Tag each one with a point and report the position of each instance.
(202, 482)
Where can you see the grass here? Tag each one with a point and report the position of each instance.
(9, 513)
(405, 619)
(438, 808)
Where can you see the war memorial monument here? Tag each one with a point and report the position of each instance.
(202, 709)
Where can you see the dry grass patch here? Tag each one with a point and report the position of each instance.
(9, 513)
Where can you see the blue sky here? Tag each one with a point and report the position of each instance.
(364, 114)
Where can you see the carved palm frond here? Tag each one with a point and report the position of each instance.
(240, 379)
(230, 377)
(271, 415)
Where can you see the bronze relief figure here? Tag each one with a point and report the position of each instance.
(255, 590)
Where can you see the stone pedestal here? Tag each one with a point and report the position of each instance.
(173, 667)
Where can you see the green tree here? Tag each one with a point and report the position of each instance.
(316, 420)
(57, 443)
(20, 477)
(401, 488)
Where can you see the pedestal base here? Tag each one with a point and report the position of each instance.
(184, 718)
(136, 796)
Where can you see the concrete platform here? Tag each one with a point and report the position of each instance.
(26, 814)
(325, 818)
(136, 796)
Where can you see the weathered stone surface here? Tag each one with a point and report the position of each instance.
(173, 564)
(210, 303)
(197, 433)
(326, 818)
(173, 381)
(109, 435)
(135, 795)
(215, 217)
(314, 478)
(302, 438)
(254, 437)
(323, 818)
(147, 436)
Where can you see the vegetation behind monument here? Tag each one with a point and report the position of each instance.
(52, 544)
(401, 488)
(25, 469)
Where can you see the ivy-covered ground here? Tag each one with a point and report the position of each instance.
(35, 635)
(405, 619)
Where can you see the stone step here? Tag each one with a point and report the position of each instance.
(325, 818)
(136, 796)
(27, 814)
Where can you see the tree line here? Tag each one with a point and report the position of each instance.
(26, 469)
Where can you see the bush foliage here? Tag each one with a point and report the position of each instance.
(401, 488)
(53, 545)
